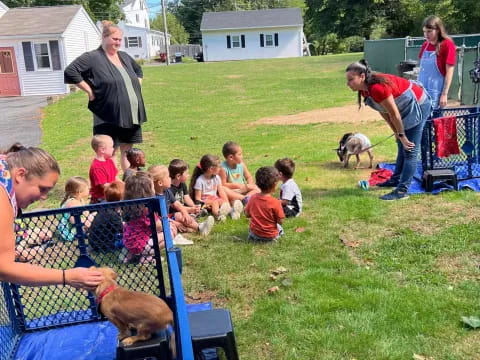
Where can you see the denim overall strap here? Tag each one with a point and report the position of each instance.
(431, 77)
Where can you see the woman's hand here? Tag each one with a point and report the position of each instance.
(83, 278)
(407, 144)
(442, 102)
(91, 96)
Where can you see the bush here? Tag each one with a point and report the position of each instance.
(353, 44)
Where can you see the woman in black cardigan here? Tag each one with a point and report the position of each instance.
(111, 79)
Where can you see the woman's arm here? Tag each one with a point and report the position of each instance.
(446, 85)
(83, 85)
(31, 275)
(395, 122)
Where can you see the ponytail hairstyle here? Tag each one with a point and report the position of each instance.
(361, 67)
(206, 162)
(435, 23)
(35, 161)
(133, 156)
(73, 186)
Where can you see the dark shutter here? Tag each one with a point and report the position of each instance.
(56, 63)
(262, 42)
(28, 56)
(229, 42)
(139, 41)
(125, 39)
(276, 39)
(243, 41)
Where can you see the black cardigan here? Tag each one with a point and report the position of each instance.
(111, 102)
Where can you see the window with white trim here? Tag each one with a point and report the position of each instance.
(134, 41)
(235, 41)
(268, 40)
(42, 56)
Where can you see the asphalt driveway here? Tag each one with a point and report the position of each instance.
(20, 118)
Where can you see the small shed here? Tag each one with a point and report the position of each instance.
(37, 43)
(255, 34)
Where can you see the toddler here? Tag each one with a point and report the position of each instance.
(136, 158)
(102, 170)
(136, 230)
(180, 218)
(76, 194)
(265, 212)
(29, 242)
(107, 224)
(236, 179)
(206, 187)
(290, 194)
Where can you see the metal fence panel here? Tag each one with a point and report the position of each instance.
(384, 55)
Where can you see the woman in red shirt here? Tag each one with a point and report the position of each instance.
(437, 61)
(405, 106)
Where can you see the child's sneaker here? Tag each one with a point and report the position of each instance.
(237, 209)
(221, 218)
(205, 227)
(224, 209)
(180, 240)
(245, 200)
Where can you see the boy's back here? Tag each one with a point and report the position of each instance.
(264, 212)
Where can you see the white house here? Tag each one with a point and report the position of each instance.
(140, 42)
(37, 43)
(256, 34)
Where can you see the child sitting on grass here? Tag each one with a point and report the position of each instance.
(265, 212)
(181, 219)
(136, 230)
(236, 179)
(30, 242)
(107, 224)
(136, 158)
(206, 188)
(76, 194)
(290, 194)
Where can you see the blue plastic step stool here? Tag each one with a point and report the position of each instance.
(157, 347)
(212, 329)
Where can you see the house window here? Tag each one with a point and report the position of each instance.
(235, 41)
(134, 41)
(268, 40)
(42, 55)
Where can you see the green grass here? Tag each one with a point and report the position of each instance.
(399, 290)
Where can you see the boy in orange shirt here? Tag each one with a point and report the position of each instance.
(265, 212)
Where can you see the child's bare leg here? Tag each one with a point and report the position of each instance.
(233, 195)
(185, 225)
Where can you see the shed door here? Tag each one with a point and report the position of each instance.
(9, 84)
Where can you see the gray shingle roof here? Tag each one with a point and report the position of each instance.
(37, 20)
(251, 19)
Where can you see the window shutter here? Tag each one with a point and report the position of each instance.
(229, 42)
(243, 41)
(125, 39)
(276, 39)
(56, 63)
(28, 56)
(139, 41)
(262, 42)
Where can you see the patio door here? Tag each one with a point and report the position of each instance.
(9, 84)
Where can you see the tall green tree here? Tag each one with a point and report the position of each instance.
(97, 9)
(176, 30)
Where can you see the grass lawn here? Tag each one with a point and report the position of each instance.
(409, 269)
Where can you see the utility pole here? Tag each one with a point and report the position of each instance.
(165, 32)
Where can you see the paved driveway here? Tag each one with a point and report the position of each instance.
(20, 120)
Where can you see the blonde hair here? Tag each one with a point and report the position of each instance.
(158, 172)
(74, 186)
(35, 161)
(99, 141)
(108, 28)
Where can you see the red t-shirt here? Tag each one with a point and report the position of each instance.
(101, 172)
(446, 55)
(397, 87)
(264, 211)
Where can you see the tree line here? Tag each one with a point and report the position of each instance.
(329, 25)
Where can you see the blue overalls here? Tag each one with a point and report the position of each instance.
(431, 77)
(413, 114)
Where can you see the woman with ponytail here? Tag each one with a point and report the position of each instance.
(27, 175)
(437, 61)
(405, 106)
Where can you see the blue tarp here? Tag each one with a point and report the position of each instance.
(90, 341)
(417, 188)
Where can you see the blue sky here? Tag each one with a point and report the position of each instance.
(155, 7)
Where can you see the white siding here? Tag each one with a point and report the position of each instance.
(135, 15)
(215, 44)
(136, 52)
(44, 82)
(80, 36)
